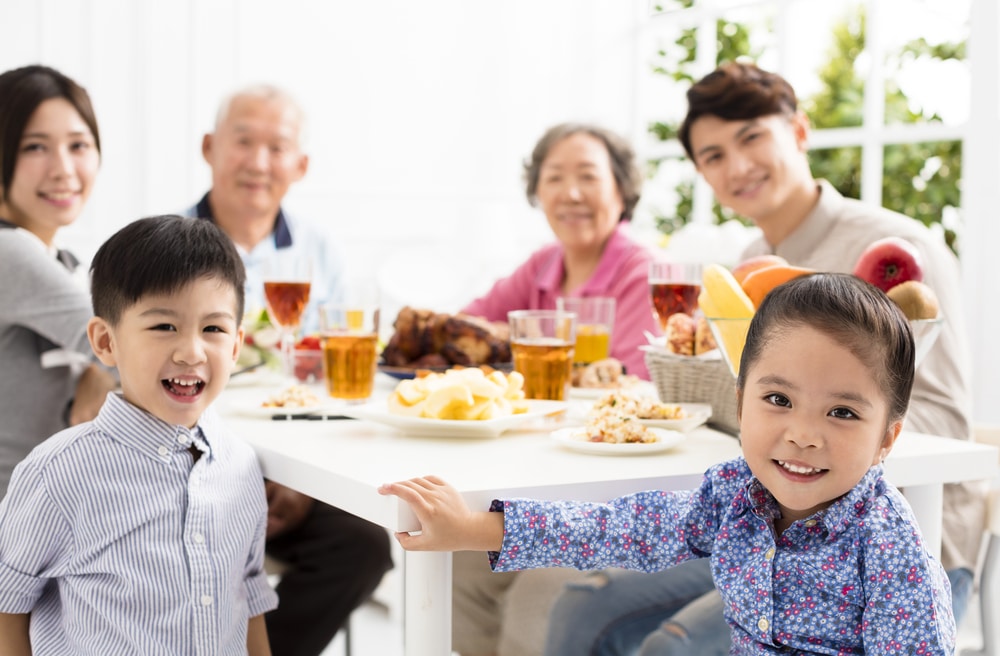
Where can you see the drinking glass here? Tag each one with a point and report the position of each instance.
(595, 318)
(349, 337)
(542, 343)
(673, 288)
(286, 291)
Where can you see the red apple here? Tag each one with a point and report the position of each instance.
(888, 262)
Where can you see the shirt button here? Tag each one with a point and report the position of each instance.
(206, 600)
(762, 623)
(198, 537)
(810, 522)
(769, 554)
(162, 451)
(182, 440)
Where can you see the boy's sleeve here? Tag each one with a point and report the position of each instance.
(34, 539)
(261, 597)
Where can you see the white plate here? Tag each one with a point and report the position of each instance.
(575, 439)
(378, 411)
(642, 388)
(697, 414)
(261, 412)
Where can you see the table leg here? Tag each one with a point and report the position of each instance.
(927, 502)
(427, 603)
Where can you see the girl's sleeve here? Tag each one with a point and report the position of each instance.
(646, 531)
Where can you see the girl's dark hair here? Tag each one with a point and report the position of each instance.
(22, 90)
(628, 177)
(736, 91)
(160, 255)
(852, 312)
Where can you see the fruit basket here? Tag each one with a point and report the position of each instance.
(686, 379)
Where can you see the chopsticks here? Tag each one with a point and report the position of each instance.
(309, 417)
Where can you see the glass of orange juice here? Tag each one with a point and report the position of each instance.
(542, 343)
(595, 318)
(349, 338)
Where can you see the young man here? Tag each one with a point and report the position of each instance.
(142, 531)
(333, 559)
(748, 140)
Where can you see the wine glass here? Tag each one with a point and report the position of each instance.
(673, 288)
(286, 290)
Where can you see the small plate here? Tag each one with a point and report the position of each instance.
(575, 440)
(642, 388)
(405, 373)
(697, 414)
(378, 411)
(262, 412)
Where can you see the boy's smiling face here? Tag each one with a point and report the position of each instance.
(813, 421)
(174, 352)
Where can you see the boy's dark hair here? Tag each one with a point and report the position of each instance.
(736, 91)
(628, 177)
(159, 255)
(854, 313)
(22, 90)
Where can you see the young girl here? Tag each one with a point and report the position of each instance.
(812, 549)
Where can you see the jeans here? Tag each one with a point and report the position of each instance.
(617, 612)
(961, 589)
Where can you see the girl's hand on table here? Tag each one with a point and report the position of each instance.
(446, 522)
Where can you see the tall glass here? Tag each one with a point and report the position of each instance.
(673, 288)
(349, 337)
(595, 318)
(286, 291)
(542, 343)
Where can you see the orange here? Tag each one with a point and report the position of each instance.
(755, 263)
(758, 283)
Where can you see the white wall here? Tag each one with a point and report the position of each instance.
(420, 114)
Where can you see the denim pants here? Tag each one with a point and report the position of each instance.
(617, 612)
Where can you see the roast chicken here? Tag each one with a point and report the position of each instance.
(425, 339)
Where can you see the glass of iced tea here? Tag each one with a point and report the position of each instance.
(595, 317)
(542, 343)
(349, 337)
(673, 288)
(286, 292)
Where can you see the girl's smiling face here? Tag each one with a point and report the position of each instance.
(56, 167)
(813, 420)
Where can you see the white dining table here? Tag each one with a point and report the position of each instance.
(343, 462)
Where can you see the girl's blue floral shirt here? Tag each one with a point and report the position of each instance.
(854, 578)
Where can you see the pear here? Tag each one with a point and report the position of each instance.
(915, 299)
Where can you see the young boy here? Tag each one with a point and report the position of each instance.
(142, 532)
(812, 550)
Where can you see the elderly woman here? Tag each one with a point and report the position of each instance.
(587, 183)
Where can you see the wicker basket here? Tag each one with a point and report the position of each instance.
(684, 379)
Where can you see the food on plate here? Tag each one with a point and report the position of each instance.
(608, 373)
(640, 407)
(888, 262)
(751, 264)
(464, 394)
(722, 296)
(424, 338)
(295, 396)
(610, 426)
(759, 283)
(915, 299)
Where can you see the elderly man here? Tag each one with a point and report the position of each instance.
(334, 560)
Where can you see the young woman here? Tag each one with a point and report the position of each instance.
(49, 157)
